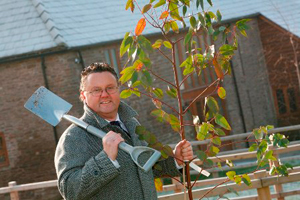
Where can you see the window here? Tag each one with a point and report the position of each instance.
(280, 101)
(112, 59)
(292, 99)
(3, 152)
(286, 101)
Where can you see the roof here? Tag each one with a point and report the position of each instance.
(28, 26)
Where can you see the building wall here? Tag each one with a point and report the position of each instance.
(280, 60)
(249, 100)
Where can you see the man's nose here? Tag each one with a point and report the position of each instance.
(104, 93)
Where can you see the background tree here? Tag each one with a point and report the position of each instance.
(138, 76)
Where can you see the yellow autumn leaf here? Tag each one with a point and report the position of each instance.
(158, 184)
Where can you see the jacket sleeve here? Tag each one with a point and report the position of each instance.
(80, 175)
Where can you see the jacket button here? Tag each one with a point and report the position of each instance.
(96, 173)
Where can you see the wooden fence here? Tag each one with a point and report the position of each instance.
(260, 180)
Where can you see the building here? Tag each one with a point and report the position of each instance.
(44, 42)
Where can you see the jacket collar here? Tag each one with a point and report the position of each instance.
(125, 112)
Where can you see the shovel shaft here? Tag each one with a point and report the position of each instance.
(95, 131)
(124, 146)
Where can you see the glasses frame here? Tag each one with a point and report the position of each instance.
(100, 91)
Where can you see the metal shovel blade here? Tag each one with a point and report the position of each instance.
(47, 106)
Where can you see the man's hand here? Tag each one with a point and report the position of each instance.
(183, 151)
(110, 144)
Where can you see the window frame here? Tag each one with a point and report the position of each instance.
(3, 151)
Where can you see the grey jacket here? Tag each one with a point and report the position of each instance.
(85, 172)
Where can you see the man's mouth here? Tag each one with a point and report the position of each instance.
(105, 102)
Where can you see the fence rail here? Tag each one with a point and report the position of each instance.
(260, 181)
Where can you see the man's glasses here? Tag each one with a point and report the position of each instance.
(98, 92)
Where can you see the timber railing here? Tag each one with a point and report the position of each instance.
(260, 180)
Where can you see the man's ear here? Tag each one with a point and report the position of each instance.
(82, 96)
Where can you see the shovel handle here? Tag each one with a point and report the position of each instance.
(95, 131)
(133, 151)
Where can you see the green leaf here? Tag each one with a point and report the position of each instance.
(125, 44)
(172, 92)
(201, 155)
(146, 8)
(160, 115)
(127, 74)
(158, 92)
(216, 141)
(193, 22)
(174, 26)
(220, 166)
(157, 44)
(269, 127)
(211, 30)
(253, 147)
(136, 83)
(261, 149)
(146, 78)
(174, 11)
(174, 122)
(202, 4)
(283, 142)
(210, 3)
(167, 27)
(219, 16)
(222, 92)
(258, 134)
(160, 3)
(201, 19)
(272, 170)
(237, 180)
(130, 5)
(227, 50)
(188, 70)
(213, 151)
(184, 9)
(212, 104)
(125, 94)
(231, 175)
(201, 135)
(219, 132)
(220, 120)
(187, 63)
(136, 92)
(288, 165)
(144, 43)
(168, 44)
(188, 37)
(208, 163)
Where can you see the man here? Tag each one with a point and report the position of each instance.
(92, 168)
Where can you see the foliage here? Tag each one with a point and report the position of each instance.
(187, 19)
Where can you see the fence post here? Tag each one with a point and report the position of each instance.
(264, 193)
(14, 195)
(278, 187)
(177, 185)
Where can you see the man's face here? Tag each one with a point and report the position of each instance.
(106, 105)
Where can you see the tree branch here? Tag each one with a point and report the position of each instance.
(162, 78)
(195, 99)
(156, 99)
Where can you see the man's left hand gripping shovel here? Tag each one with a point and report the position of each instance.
(52, 109)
